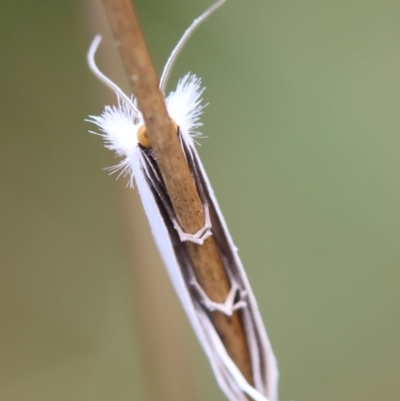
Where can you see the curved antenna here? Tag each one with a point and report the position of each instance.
(178, 48)
(106, 81)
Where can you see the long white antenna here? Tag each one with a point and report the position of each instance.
(106, 81)
(178, 48)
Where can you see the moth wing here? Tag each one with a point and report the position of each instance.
(178, 265)
(259, 344)
(166, 248)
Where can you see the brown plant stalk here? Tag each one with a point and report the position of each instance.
(180, 185)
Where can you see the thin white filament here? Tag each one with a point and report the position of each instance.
(106, 81)
(178, 48)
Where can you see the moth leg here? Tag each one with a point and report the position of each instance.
(201, 235)
(229, 306)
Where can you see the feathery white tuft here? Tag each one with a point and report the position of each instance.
(184, 105)
(119, 124)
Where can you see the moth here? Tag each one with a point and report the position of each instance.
(122, 128)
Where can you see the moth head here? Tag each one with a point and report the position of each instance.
(144, 139)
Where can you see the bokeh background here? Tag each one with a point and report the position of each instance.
(303, 148)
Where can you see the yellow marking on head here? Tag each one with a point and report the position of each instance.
(175, 125)
(143, 138)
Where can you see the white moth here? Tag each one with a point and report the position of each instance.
(121, 130)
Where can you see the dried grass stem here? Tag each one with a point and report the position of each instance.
(179, 182)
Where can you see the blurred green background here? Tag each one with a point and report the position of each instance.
(303, 152)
